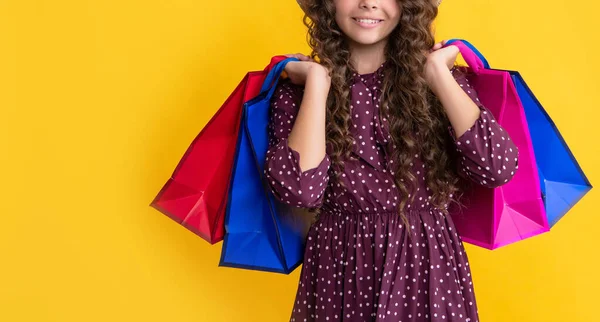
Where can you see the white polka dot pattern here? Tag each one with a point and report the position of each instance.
(365, 268)
(288, 183)
(359, 262)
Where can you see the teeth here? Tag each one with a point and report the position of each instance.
(368, 21)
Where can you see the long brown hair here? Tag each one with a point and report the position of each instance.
(418, 123)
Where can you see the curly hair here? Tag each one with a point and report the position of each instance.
(418, 122)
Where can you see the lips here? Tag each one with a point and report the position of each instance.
(367, 23)
(368, 20)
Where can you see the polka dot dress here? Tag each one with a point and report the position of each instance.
(359, 263)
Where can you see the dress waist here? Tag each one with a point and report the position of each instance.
(409, 212)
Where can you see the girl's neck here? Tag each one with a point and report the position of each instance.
(366, 59)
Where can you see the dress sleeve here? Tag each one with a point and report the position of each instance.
(487, 154)
(282, 168)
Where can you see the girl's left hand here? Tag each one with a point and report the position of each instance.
(442, 56)
(438, 57)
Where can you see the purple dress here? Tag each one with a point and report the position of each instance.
(359, 263)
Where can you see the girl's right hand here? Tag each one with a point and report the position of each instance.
(298, 71)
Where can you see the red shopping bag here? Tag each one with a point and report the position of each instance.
(196, 194)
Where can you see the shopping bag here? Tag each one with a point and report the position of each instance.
(562, 181)
(196, 193)
(495, 217)
(261, 233)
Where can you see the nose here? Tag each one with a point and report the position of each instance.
(369, 4)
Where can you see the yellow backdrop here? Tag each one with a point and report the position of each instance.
(100, 98)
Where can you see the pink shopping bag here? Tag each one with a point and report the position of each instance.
(514, 211)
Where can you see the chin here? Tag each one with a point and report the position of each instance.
(366, 41)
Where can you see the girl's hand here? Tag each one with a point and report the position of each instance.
(445, 56)
(298, 71)
(439, 56)
(300, 56)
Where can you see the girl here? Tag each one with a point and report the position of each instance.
(379, 137)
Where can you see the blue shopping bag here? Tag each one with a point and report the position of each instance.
(562, 180)
(261, 233)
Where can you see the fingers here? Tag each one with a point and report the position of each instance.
(438, 45)
(303, 57)
(300, 57)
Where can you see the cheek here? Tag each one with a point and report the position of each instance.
(393, 8)
(342, 21)
(394, 24)
(394, 15)
(338, 18)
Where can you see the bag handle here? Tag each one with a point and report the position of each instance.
(472, 56)
(273, 76)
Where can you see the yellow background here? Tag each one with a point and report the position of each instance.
(100, 98)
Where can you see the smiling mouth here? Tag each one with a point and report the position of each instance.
(368, 21)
